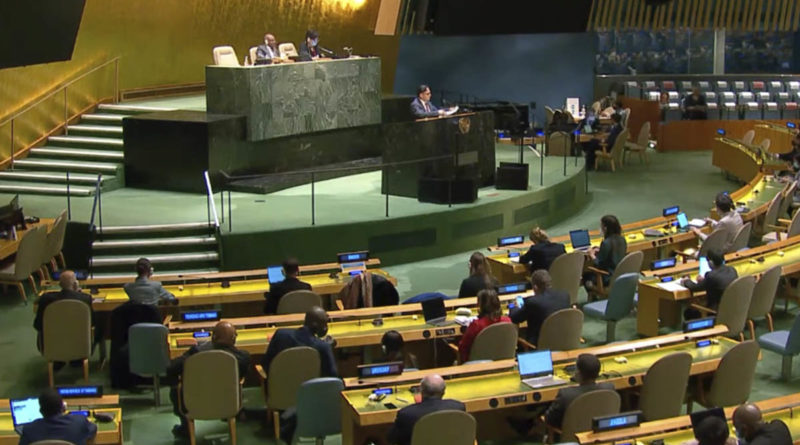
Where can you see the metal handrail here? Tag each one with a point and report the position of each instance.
(210, 197)
(97, 205)
(115, 60)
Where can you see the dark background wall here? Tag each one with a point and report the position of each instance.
(541, 68)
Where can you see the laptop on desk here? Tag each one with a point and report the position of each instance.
(580, 239)
(536, 369)
(435, 313)
(24, 412)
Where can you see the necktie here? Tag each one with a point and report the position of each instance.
(427, 108)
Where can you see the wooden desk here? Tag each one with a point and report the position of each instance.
(736, 158)
(677, 430)
(779, 135)
(699, 135)
(755, 195)
(9, 247)
(657, 303)
(107, 433)
(494, 392)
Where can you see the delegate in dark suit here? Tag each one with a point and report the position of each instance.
(542, 255)
(307, 53)
(51, 297)
(422, 109)
(278, 290)
(72, 428)
(407, 417)
(555, 412)
(593, 145)
(714, 284)
(290, 338)
(536, 310)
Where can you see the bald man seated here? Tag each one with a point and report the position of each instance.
(432, 391)
(751, 428)
(70, 290)
(313, 333)
(223, 338)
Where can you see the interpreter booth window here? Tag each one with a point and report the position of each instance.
(655, 52)
(758, 52)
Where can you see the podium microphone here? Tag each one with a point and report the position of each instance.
(325, 50)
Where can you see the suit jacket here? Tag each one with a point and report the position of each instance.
(555, 412)
(407, 417)
(772, 433)
(537, 308)
(52, 297)
(473, 284)
(612, 135)
(418, 109)
(278, 290)
(71, 428)
(175, 367)
(146, 291)
(542, 255)
(265, 52)
(290, 338)
(714, 284)
(306, 54)
(612, 250)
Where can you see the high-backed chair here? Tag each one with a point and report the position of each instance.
(55, 242)
(741, 238)
(561, 330)
(664, 389)
(51, 442)
(788, 199)
(449, 427)
(319, 408)
(288, 370)
(211, 390)
(287, 50)
(613, 154)
(26, 262)
(148, 353)
(495, 342)
(765, 144)
(558, 144)
(640, 145)
(548, 116)
(770, 218)
(715, 240)
(225, 56)
(747, 139)
(784, 229)
(566, 271)
(298, 302)
(626, 115)
(630, 263)
(67, 335)
(579, 414)
(734, 305)
(732, 381)
(618, 305)
(763, 299)
(253, 54)
(785, 343)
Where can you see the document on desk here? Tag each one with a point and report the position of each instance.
(672, 286)
(451, 111)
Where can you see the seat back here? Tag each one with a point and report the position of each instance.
(579, 414)
(298, 302)
(619, 146)
(664, 386)
(148, 349)
(742, 237)
(764, 293)
(287, 50)
(29, 252)
(449, 427)
(620, 297)
(288, 370)
(211, 386)
(765, 143)
(715, 240)
(794, 225)
(548, 116)
(771, 216)
(643, 138)
(225, 56)
(253, 54)
(625, 116)
(318, 407)
(793, 341)
(788, 197)
(630, 263)
(748, 137)
(495, 342)
(734, 376)
(67, 331)
(558, 144)
(561, 330)
(566, 271)
(55, 239)
(734, 304)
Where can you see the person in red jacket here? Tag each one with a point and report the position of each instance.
(490, 313)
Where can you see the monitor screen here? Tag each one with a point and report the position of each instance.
(512, 288)
(200, 316)
(579, 238)
(80, 391)
(669, 211)
(275, 274)
(535, 363)
(663, 263)
(434, 309)
(350, 257)
(698, 324)
(509, 240)
(683, 221)
(24, 411)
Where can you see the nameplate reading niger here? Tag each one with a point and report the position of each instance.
(516, 399)
(447, 331)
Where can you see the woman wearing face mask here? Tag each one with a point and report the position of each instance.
(308, 49)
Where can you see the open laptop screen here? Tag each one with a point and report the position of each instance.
(433, 309)
(534, 364)
(698, 416)
(24, 411)
(275, 274)
(579, 238)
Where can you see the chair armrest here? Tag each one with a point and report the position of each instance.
(703, 309)
(784, 221)
(339, 305)
(685, 254)
(167, 320)
(598, 271)
(262, 375)
(777, 228)
(525, 343)
(452, 346)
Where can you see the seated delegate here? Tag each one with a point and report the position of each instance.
(543, 251)
(55, 424)
(612, 249)
(291, 270)
(432, 392)
(489, 313)
(147, 291)
(422, 107)
(595, 144)
(541, 305)
(479, 277)
(713, 283)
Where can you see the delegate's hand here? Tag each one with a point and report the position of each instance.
(330, 340)
(695, 230)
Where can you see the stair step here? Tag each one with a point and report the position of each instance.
(44, 176)
(83, 153)
(44, 189)
(86, 128)
(157, 242)
(86, 140)
(130, 109)
(123, 260)
(154, 228)
(103, 119)
(55, 164)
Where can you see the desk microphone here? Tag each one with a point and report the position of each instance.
(325, 50)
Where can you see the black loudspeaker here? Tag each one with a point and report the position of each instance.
(511, 176)
(78, 245)
(444, 191)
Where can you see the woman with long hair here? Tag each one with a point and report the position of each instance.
(489, 313)
(479, 277)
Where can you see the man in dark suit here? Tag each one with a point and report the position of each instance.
(309, 49)
(312, 333)
(593, 145)
(56, 425)
(268, 52)
(587, 370)
(70, 290)
(146, 291)
(422, 107)
(291, 269)
(750, 427)
(537, 308)
(223, 338)
(713, 284)
(543, 252)
(432, 391)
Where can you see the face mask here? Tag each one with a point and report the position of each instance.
(314, 42)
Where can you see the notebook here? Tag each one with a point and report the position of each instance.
(24, 411)
(580, 239)
(536, 369)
